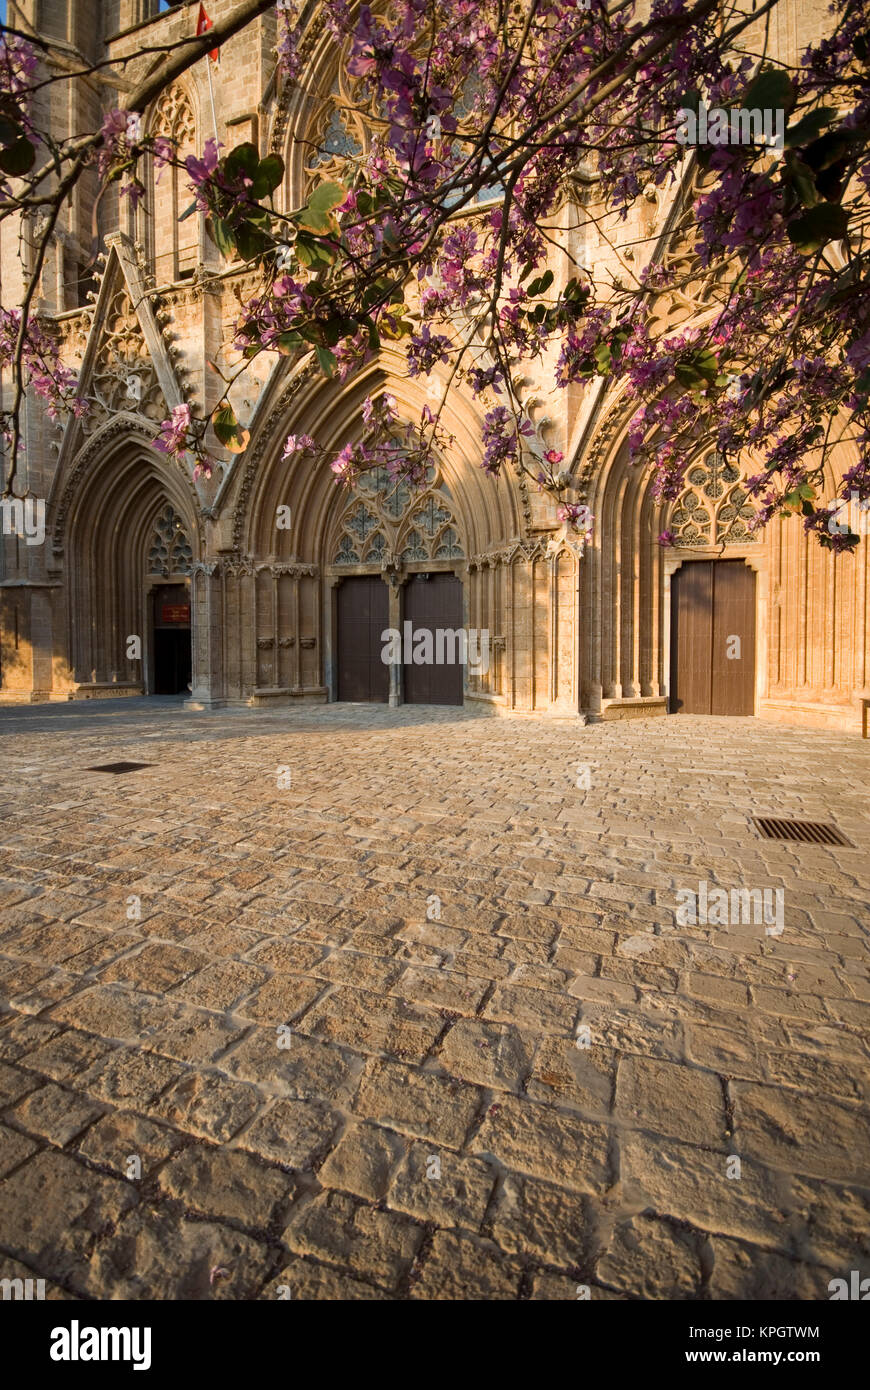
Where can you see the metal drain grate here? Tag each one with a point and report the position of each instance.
(118, 768)
(810, 832)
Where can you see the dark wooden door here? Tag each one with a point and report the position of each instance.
(433, 602)
(713, 638)
(363, 615)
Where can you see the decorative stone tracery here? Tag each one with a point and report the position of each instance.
(124, 377)
(170, 551)
(383, 518)
(714, 509)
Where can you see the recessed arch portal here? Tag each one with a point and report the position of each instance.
(118, 553)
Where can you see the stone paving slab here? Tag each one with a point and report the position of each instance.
(427, 1023)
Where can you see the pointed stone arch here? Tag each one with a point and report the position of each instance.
(113, 508)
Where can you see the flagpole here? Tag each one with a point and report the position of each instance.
(211, 95)
(203, 25)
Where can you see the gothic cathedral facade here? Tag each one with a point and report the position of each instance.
(268, 583)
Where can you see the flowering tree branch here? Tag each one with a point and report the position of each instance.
(446, 234)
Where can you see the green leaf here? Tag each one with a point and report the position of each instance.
(770, 90)
(251, 241)
(688, 376)
(268, 176)
(828, 149)
(800, 177)
(328, 361)
(188, 212)
(541, 285)
(327, 196)
(17, 158)
(602, 358)
(221, 234)
(10, 131)
(289, 342)
(810, 126)
(244, 159)
(228, 430)
(817, 226)
(313, 254)
(314, 221)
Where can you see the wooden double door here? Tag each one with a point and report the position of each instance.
(429, 602)
(713, 638)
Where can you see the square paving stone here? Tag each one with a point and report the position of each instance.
(532, 1008)
(545, 1143)
(652, 1258)
(14, 1084)
(374, 1244)
(282, 999)
(156, 1255)
(808, 1134)
(681, 1102)
(121, 1136)
(307, 1069)
(55, 1114)
(14, 1148)
(461, 1269)
(221, 986)
(66, 1055)
(157, 967)
(362, 1161)
(533, 1219)
(53, 1210)
(292, 1132)
(129, 1077)
(435, 1184)
(208, 1105)
(370, 1023)
(227, 1184)
(490, 1054)
(417, 1102)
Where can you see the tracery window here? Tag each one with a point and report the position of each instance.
(715, 508)
(175, 243)
(170, 551)
(338, 134)
(382, 517)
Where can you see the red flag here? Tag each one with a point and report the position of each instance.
(203, 24)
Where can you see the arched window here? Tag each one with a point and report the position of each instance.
(170, 552)
(382, 518)
(336, 135)
(714, 509)
(175, 244)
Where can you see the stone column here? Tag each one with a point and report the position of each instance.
(207, 636)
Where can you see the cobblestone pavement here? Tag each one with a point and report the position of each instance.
(510, 1071)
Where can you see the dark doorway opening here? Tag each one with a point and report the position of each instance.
(434, 602)
(713, 638)
(363, 615)
(171, 636)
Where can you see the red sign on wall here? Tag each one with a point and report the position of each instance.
(175, 613)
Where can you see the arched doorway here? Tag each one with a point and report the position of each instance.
(396, 567)
(132, 543)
